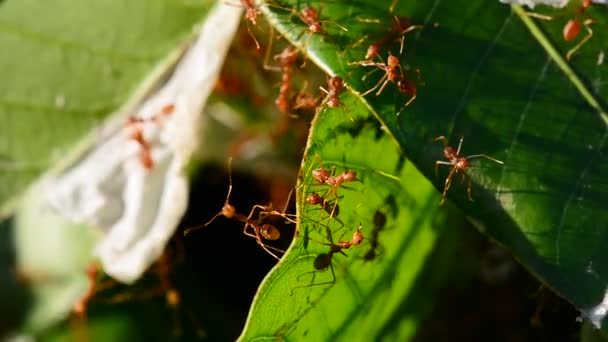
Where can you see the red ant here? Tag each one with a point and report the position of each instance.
(310, 17)
(260, 231)
(573, 27)
(393, 74)
(324, 260)
(251, 15)
(331, 208)
(335, 86)
(402, 26)
(135, 127)
(286, 61)
(457, 163)
(80, 306)
(323, 176)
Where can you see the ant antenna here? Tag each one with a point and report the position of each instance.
(228, 209)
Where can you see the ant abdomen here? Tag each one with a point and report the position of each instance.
(269, 232)
(322, 261)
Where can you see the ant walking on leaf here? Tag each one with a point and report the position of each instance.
(261, 231)
(573, 26)
(326, 177)
(393, 73)
(457, 163)
(324, 260)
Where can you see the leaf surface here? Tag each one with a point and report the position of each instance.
(492, 75)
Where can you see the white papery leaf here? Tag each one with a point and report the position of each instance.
(109, 188)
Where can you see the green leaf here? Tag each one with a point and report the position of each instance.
(67, 65)
(494, 77)
(377, 285)
(70, 65)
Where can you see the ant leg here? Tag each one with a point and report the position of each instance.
(587, 24)
(468, 187)
(442, 139)
(266, 211)
(384, 79)
(448, 183)
(440, 162)
(392, 7)
(267, 66)
(459, 145)
(190, 230)
(257, 44)
(406, 104)
(333, 276)
(383, 86)
(409, 29)
(487, 157)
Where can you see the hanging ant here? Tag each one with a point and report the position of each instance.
(573, 26)
(457, 163)
(286, 62)
(324, 260)
(261, 231)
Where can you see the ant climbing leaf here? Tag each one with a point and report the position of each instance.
(526, 93)
(328, 271)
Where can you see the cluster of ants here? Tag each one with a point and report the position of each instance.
(286, 61)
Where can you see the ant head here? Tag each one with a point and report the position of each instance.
(251, 14)
(349, 176)
(372, 51)
(336, 83)
(228, 210)
(320, 175)
(270, 232)
(314, 198)
(392, 61)
(322, 261)
(358, 237)
(449, 152)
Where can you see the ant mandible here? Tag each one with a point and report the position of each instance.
(573, 26)
(457, 163)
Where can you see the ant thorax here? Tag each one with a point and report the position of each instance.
(462, 163)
